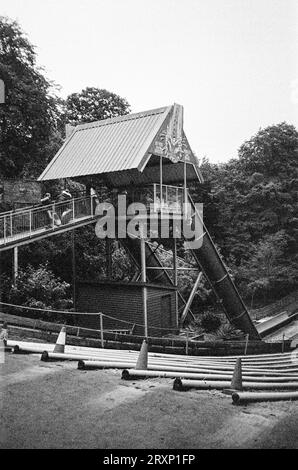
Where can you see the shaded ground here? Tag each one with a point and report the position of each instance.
(54, 405)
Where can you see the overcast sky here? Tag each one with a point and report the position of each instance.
(232, 64)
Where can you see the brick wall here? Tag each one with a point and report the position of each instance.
(19, 193)
(125, 302)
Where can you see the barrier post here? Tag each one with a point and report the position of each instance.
(246, 344)
(283, 343)
(53, 216)
(4, 229)
(101, 330)
(30, 222)
(186, 344)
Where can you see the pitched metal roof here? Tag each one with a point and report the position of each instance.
(108, 146)
(105, 146)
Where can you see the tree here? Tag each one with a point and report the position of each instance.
(269, 269)
(30, 117)
(94, 104)
(271, 151)
(251, 210)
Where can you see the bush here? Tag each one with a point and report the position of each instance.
(210, 322)
(228, 331)
(39, 288)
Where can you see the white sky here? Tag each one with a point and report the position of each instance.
(232, 64)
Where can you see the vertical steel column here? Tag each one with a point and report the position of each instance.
(185, 188)
(175, 277)
(15, 265)
(74, 293)
(160, 181)
(143, 270)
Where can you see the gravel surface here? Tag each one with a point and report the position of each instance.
(54, 405)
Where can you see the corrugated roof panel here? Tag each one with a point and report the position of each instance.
(106, 146)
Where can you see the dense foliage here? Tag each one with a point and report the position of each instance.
(29, 119)
(39, 288)
(94, 104)
(251, 209)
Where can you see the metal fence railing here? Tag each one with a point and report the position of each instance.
(15, 225)
(169, 199)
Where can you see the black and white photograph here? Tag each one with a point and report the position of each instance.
(148, 231)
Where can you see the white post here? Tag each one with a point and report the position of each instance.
(246, 344)
(186, 344)
(4, 229)
(283, 342)
(101, 331)
(11, 223)
(91, 204)
(15, 265)
(53, 218)
(30, 222)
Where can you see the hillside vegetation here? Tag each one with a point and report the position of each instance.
(250, 203)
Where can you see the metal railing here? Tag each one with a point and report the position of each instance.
(169, 200)
(15, 225)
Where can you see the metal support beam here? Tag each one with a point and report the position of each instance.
(175, 278)
(185, 186)
(15, 268)
(74, 271)
(160, 181)
(143, 270)
(190, 299)
(165, 268)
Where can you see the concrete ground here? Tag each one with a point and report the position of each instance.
(54, 405)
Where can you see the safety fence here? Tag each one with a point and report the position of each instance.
(289, 303)
(123, 338)
(15, 225)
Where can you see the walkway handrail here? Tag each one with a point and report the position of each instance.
(21, 224)
(41, 207)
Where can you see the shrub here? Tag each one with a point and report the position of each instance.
(210, 322)
(39, 288)
(228, 331)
